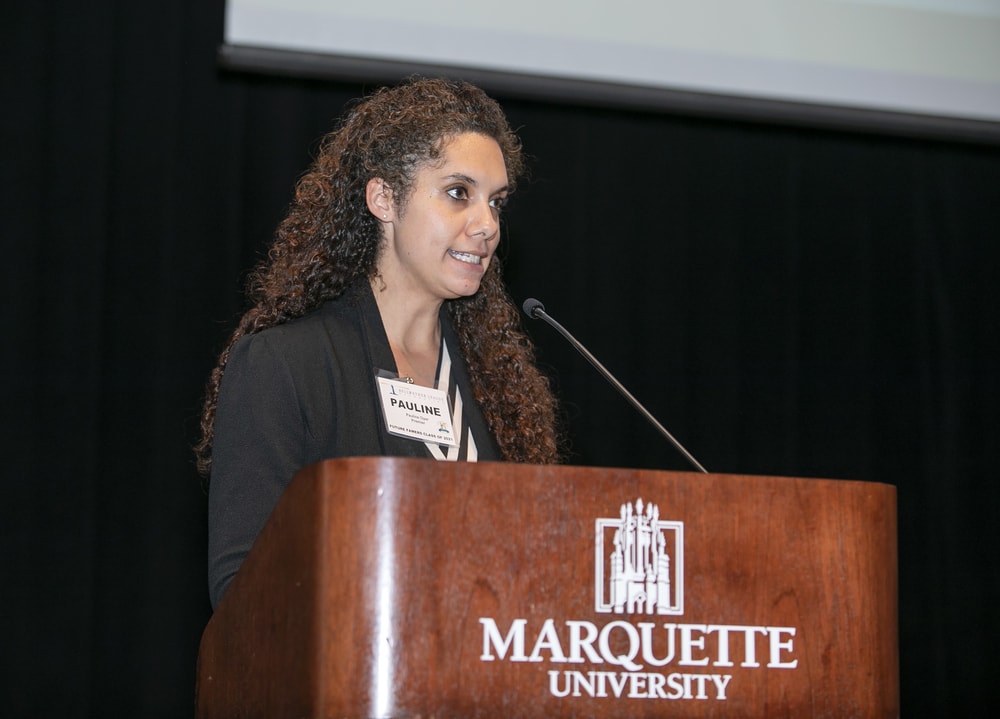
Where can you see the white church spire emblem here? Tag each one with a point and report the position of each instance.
(639, 562)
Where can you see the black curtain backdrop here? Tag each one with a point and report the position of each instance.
(787, 301)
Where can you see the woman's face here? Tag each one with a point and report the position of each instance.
(439, 244)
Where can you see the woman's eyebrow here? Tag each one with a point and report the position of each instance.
(462, 177)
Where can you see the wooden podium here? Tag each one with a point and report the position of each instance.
(411, 588)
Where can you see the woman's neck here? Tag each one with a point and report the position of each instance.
(414, 333)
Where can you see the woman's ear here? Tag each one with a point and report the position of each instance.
(378, 195)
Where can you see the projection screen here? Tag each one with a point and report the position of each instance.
(910, 66)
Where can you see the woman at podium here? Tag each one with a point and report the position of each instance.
(379, 323)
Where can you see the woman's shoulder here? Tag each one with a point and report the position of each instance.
(333, 317)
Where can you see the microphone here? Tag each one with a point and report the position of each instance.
(536, 310)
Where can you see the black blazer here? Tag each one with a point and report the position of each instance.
(295, 394)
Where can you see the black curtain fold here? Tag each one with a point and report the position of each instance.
(787, 301)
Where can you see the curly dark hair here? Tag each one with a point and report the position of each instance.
(329, 240)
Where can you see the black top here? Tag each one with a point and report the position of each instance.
(295, 394)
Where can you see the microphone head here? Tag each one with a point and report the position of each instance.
(531, 306)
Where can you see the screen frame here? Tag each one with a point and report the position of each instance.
(345, 68)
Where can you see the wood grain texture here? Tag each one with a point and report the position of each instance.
(364, 593)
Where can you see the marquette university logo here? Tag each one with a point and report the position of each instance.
(639, 575)
(636, 577)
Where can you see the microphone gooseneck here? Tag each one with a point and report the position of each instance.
(536, 310)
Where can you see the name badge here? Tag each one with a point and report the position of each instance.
(416, 412)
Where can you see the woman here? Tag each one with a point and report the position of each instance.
(382, 279)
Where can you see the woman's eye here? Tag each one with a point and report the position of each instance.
(458, 193)
(498, 203)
